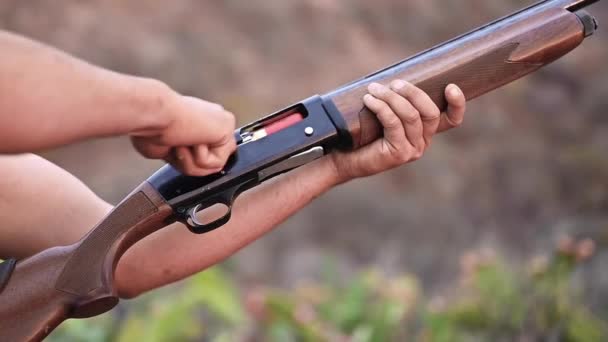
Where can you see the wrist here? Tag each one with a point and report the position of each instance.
(309, 181)
(330, 172)
(336, 163)
(148, 106)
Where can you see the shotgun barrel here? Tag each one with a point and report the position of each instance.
(479, 61)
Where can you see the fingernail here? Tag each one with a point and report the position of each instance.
(398, 84)
(453, 90)
(367, 97)
(375, 87)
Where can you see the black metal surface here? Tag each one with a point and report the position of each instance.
(6, 269)
(346, 141)
(226, 198)
(578, 4)
(184, 192)
(589, 22)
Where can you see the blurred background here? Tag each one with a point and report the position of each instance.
(498, 233)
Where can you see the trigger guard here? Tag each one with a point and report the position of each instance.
(200, 228)
(226, 198)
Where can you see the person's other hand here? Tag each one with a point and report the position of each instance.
(197, 138)
(409, 118)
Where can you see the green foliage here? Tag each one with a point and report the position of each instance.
(495, 302)
(206, 305)
(504, 305)
(370, 308)
(96, 329)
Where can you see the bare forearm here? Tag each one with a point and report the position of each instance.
(174, 253)
(41, 212)
(49, 98)
(42, 205)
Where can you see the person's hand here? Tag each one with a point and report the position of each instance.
(409, 118)
(197, 139)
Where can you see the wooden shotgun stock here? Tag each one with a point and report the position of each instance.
(77, 281)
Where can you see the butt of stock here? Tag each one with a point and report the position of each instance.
(77, 281)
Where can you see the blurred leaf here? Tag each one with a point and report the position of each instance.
(499, 303)
(214, 290)
(281, 331)
(96, 329)
(133, 329)
(582, 326)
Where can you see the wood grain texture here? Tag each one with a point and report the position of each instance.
(478, 62)
(77, 281)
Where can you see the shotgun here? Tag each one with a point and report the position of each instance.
(40, 292)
